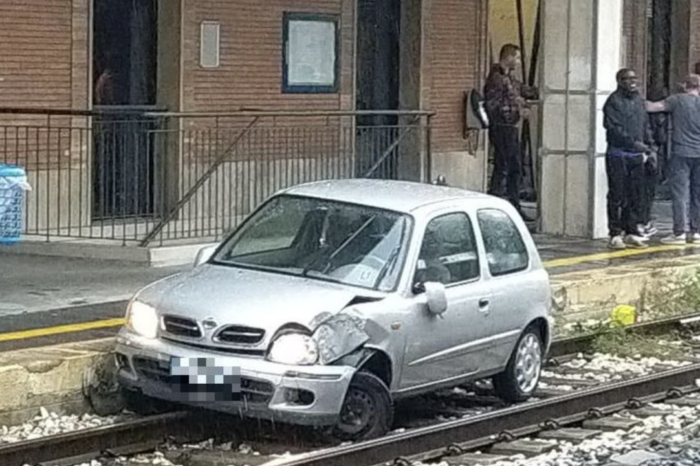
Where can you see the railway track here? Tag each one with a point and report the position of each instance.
(469, 420)
(434, 443)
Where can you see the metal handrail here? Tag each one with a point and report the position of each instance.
(126, 209)
(153, 112)
(200, 182)
(256, 117)
(388, 151)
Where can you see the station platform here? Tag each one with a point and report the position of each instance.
(52, 300)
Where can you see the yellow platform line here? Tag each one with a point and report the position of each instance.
(569, 261)
(61, 329)
(112, 323)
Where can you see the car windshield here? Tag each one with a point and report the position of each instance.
(327, 240)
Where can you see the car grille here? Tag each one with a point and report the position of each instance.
(258, 353)
(182, 327)
(253, 391)
(237, 335)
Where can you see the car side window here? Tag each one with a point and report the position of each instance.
(505, 249)
(448, 254)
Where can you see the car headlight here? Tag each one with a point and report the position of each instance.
(142, 319)
(295, 349)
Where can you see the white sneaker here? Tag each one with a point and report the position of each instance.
(636, 241)
(694, 238)
(642, 233)
(674, 240)
(617, 242)
(650, 229)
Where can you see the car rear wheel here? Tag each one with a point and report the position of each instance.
(367, 411)
(519, 381)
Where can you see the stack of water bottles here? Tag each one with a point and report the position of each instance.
(13, 185)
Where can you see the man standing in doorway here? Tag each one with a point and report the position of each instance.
(504, 101)
(684, 176)
(629, 145)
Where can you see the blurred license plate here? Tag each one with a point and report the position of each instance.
(205, 371)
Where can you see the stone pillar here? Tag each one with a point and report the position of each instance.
(581, 54)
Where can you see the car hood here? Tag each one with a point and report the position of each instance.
(230, 295)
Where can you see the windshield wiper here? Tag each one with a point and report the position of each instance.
(391, 261)
(338, 250)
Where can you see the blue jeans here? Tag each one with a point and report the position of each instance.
(685, 189)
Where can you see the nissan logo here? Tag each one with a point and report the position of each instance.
(209, 324)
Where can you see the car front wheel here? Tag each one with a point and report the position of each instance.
(367, 411)
(519, 381)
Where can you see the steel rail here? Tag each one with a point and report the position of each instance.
(150, 430)
(437, 438)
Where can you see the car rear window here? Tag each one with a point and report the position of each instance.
(505, 249)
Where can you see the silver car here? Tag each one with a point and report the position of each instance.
(334, 299)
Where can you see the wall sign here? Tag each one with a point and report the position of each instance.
(210, 44)
(311, 53)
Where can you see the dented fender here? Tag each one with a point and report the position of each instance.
(342, 334)
(357, 358)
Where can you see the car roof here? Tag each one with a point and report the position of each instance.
(400, 196)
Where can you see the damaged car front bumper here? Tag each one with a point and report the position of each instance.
(248, 386)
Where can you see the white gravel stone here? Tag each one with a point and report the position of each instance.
(49, 423)
(157, 459)
(673, 430)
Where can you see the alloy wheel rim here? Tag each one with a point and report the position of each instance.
(528, 363)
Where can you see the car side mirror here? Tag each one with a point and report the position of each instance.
(204, 255)
(437, 297)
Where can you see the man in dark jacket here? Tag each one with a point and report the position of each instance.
(504, 101)
(629, 147)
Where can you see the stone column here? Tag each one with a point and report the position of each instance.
(581, 54)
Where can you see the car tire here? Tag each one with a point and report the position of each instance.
(367, 410)
(138, 403)
(521, 377)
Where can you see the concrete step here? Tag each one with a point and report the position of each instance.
(51, 377)
(592, 295)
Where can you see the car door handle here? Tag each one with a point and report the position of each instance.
(484, 305)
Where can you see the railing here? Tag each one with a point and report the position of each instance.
(146, 177)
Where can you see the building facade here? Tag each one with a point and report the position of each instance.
(180, 86)
(147, 121)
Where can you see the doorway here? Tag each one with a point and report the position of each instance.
(378, 83)
(125, 58)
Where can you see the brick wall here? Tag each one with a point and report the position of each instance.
(44, 53)
(250, 71)
(457, 58)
